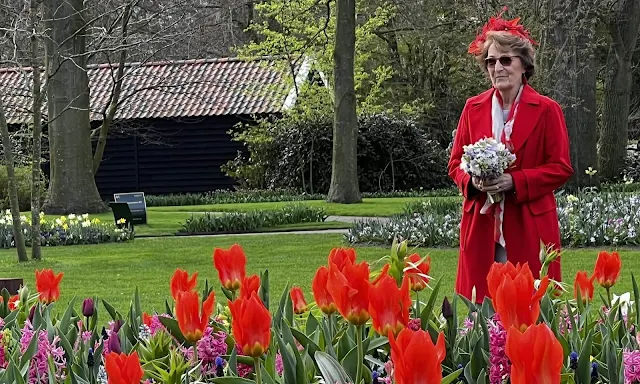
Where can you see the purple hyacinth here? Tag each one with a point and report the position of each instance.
(39, 365)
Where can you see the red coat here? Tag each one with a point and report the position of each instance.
(541, 145)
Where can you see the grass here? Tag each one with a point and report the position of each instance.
(369, 207)
(112, 271)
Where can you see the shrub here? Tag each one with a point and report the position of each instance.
(586, 219)
(65, 230)
(234, 222)
(632, 166)
(394, 153)
(275, 195)
(23, 178)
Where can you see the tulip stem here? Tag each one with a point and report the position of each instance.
(417, 304)
(258, 370)
(610, 303)
(360, 351)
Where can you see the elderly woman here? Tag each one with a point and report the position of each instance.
(532, 127)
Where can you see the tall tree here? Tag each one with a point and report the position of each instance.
(624, 27)
(18, 237)
(573, 75)
(72, 186)
(36, 186)
(344, 167)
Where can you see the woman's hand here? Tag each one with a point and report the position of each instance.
(504, 183)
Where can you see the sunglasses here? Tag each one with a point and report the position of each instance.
(505, 61)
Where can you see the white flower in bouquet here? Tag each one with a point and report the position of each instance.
(486, 159)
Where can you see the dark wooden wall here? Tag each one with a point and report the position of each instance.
(168, 156)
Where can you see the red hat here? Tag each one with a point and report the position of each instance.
(497, 23)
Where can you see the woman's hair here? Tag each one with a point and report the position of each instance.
(506, 41)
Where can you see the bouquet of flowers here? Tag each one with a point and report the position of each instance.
(487, 159)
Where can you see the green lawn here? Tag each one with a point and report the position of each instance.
(369, 207)
(112, 271)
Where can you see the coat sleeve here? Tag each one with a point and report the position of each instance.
(462, 138)
(533, 183)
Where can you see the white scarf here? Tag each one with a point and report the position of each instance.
(498, 126)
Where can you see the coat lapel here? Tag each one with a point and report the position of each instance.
(529, 112)
(480, 117)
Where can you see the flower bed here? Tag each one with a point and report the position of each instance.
(64, 230)
(363, 326)
(586, 219)
(240, 222)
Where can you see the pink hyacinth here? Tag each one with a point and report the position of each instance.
(212, 345)
(631, 361)
(415, 324)
(3, 361)
(279, 364)
(499, 365)
(39, 365)
(156, 325)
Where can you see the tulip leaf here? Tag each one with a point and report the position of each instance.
(451, 377)
(232, 380)
(227, 293)
(312, 324)
(266, 377)
(18, 376)
(583, 371)
(66, 318)
(173, 328)
(32, 348)
(112, 311)
(305, 341)
(425, 316)
(264, 288)
(636, 296)
(288, 361)
(277, 318)
(136, 300)
(38, 320)
(611, 357)
(377, 343)
(331, 370)
(233, 361)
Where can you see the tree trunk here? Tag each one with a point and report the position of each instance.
(36, 253)
(624, 27)
(344, 171)
(18, 237)
(573, 80)
(115, 95)
(72, 186)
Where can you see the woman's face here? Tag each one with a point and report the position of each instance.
(505, 68)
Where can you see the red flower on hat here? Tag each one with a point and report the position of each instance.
(497, 23)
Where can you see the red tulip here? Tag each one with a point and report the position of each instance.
(498, 270)
(251, 325)
(536, 355)
(583, 284)
(389, 305)
(123, 369)
(350, 290)
(13, 302)
(516, 301)
(607, 269)
(298, 300)
(415, 358)
(191, 320)
(320, 293)
(48, 285)
(341, 256)
(417, 271)
(180, 282)
(146, 319)
(249, 285)
(231, 264)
